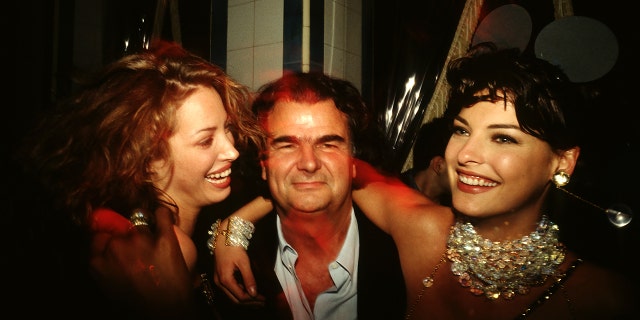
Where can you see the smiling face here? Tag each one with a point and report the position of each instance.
(497, 169)
(201, 153)
(309, 163)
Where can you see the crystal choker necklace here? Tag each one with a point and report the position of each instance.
(504, 268)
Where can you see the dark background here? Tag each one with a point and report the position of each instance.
(400, 37)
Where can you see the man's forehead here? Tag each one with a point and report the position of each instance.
(301, 112)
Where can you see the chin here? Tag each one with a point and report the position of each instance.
(467, 208)
(215, 195)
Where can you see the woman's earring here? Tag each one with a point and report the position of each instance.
(619, 214)
(561, 178)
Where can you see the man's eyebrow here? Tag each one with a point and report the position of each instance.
(322, 139)
(284, 139)
(331, 138)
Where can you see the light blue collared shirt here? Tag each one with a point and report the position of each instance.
(338, 302)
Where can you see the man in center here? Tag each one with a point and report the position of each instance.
(318, 257)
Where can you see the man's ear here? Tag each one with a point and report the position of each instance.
(264, 169)
(354, 173)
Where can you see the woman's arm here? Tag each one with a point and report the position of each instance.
(142, 269)
(229, 260)
(384, 198)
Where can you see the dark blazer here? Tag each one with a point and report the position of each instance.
(381, 289)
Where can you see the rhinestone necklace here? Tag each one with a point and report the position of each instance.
(504, 268)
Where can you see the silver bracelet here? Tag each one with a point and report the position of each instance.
(238, 232)
(213, 236)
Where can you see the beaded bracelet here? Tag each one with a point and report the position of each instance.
(213, 233)
(238, 233)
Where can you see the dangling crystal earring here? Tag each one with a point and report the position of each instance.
(561, 178)
(619, 214)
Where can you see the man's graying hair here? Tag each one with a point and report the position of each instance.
(312, 87)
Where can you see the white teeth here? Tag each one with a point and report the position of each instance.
(220, 175)
(476, 182)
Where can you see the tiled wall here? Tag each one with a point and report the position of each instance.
(255, 41)
(343, 39)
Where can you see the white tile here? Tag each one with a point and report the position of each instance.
(231, 3)
(329, 8)
(334, 61)
(355, 5)
(354, 32)
(267, 63)
(240, 26)
(240, 65)
(269, 21)
(340, 2)
(353, 70)
(334, 24)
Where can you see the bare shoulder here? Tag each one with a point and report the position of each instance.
(602, 292)
(423, 231)
(428, 218)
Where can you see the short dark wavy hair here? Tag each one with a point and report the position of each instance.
(546, 102)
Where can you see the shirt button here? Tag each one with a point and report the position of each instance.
(333, 265)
